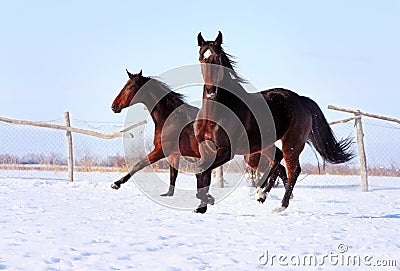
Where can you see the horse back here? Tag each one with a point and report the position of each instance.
(282, 104)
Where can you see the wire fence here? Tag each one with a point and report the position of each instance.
(26, 147)
(382, 145)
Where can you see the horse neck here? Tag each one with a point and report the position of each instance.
(158, 107)
(211, 107)
(233, 95)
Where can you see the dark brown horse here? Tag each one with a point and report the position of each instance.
(232, 121)
(173, 133)
(161, 103)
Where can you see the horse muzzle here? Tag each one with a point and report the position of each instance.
(116, 109)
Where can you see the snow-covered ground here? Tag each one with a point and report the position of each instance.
(47, 223)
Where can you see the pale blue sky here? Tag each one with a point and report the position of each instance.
(71, 55)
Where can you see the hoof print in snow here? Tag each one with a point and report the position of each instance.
(279, 209)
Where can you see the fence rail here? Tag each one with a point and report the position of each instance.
(70, 129)
(359, 113)
(24, 143)
(70, 157)
(360, 138)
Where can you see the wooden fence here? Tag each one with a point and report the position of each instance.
(69, 130)
(360, 138)
(125, 133)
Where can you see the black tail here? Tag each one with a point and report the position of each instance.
(323, 139)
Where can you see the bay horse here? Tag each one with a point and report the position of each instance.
(294, 119)
(175, 138)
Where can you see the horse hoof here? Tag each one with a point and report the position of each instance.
(260, 195)
(168, 194)
(201, 210)
(279, 209)
(261, 201)
(115, 186)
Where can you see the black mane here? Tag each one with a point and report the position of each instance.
(168, 96)
(228, 62)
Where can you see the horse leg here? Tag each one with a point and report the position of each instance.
(291, 152)
(213, 157)
(173, 174)
(254, 161)
(274, 176)
(289, 189)
(269, 177)
(203, 186)
(281, 172)
(151, 158)
(276, 169)
(222, 156)
(261, 194)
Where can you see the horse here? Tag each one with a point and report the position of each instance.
(162, 103)
(226, 105)
(173, 134)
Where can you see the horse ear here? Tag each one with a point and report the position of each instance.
(200, 40)
(140, 73)
(218, 40)
(129, 74)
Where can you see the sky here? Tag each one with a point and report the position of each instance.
(58, 56)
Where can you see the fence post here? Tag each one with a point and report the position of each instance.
(361, 153)
(69, 148)
(219, 176)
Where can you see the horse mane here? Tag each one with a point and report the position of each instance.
(164, 93)
(227, 61)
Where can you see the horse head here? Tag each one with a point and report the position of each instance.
(211, 60)
(128, 95)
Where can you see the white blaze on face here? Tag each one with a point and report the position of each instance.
(207, 54)
(210, 95)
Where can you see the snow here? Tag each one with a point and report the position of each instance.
(47, 223)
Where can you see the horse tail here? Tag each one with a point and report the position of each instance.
(323, 139)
